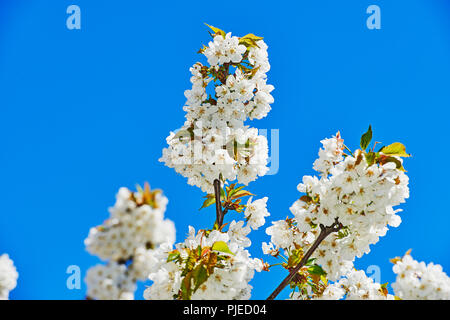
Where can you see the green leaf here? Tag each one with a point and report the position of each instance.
(230, 187)
(190, 263)
(233, 191)
(383, 289)
(310, 261)
(209, 201)
(385, 159)
(186, 290)
(252, 36)
(139, 188)
(343, 233)
(221, 246)
(202, 49)
(316, 270)
(173, 256)
(370, 158)
(366, 138)
(200, 275)
(250, 40)
(241, 193)
(295, 257)
(217, 30)
(395, 149)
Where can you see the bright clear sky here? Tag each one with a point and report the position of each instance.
(84, 112)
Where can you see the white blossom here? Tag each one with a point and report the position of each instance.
(214, 141)
(109, 282)
(230, 278)
(255, 212)
(131, 226)
(127, 240)
(419, 281)
(8, 276)
(329, 155)
(355, 286)
(360, 196)
(238, 233)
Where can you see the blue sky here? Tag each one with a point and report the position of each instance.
(84, 112)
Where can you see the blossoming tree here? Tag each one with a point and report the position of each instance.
(339, 216)
(343, 211)
(213, 149)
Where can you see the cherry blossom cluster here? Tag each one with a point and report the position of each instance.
(135, 228)
(110, 282)
(354, 286)
(212, 149)
(356, 192)
(208, 265)
(419, 281)
(256, 212)
(214, 141)
(8, 276)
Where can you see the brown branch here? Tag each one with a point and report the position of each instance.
(225, 210)
(219, 213)
(324, 232)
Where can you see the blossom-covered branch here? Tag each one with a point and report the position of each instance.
(214, 143)
(419, 281)
(356, 190)
(212, 149)
(343, 211)
(324, 232)
(127, 240)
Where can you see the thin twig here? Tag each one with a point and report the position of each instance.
(348, 150)
(219, 213)
(324, 232)
(225, 210)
